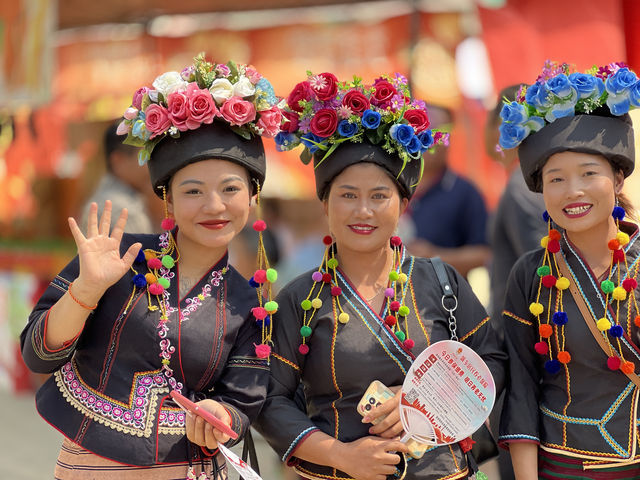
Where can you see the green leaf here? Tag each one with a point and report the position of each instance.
(161, 98)
(305, 156)
(234, 70)
(133, 141)
(146, 101)
(243, 132)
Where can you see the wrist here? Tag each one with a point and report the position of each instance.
(338, 453)
(84, 293)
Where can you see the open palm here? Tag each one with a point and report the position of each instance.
(99, 252)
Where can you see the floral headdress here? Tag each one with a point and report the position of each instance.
(181, 101)
(322, 113)
(558, 93)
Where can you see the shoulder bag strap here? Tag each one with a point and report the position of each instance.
(449, 300)
(587, 315)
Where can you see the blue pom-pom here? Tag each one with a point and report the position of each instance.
(253, 283)
(139, 280)
(560, 318)
(140, 258)
(264, 323)
(616, 331)
(552, 366)
(618, 213)
(545, 216)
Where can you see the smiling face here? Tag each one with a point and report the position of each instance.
(210, 203)
(363, 207)
(579, 190)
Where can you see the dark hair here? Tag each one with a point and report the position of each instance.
(630, 211)
(113, 143)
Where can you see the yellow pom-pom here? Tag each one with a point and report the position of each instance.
(402, 278)
(603, 324)
(536, 308)
(544, 241)
(619, 293)
(316, 303)
(562, 283)
(343, 317)
(623, 238)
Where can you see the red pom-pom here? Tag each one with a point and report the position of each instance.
(541, 348)
(154, 263)
(259, 312)
(466, 444)
(613, 363)
(335, 291)
(260, 276)
(627, 367)
(629, 284)
(545, 330)
(155, 289)
(618, 255)
(396, 241)
(564, 357)
(303, 349)
(259, 226)
(409, 344)
(326, 277)
(613, 244)
(168, 224)
(553, 246)
(390, 320)
(554, 234)
(394, 306)
(263, 351)
(636, 321)
(327, 240)
(548, 281)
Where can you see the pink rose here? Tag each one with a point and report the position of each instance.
(269, 121)
(291, 122)
(237, 111)
(301, 91)
(157, 119)
(418, 119)
(138, 96)
(253, 75)
(324, 122)
(202, 107)
(383, 93)
(356, 101)
(178, 108)
(327, 86)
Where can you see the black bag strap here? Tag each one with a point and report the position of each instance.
(249, 451)
(449, 300)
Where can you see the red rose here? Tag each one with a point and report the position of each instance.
(418, 119)
(324, 122)
(383, 93)
(291, 122)
(356, 101)
(327, 86)
(301, 91)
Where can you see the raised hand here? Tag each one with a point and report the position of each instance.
(99, 252)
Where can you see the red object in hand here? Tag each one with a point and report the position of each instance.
(191, 407)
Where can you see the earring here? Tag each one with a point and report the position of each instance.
(168, 223)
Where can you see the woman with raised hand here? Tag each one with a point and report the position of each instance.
(369, 308)
(135, 317)
(571, 315)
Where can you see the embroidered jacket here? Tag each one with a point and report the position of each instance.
(586, 410)
(108, 392)
(345, 358)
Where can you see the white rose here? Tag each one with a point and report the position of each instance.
(221, 90)
(244, 88)
(169, 82)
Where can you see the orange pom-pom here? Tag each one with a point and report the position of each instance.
(627, 367)
(545, 330)
(614, 244)
(636, 321)
(150, 278)
(564, 357)
(554, 234)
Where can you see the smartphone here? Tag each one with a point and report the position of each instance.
(376, 394)
(187, 405)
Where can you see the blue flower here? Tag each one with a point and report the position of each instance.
(535, 123)
(140, 130)
(402, 133)
(537, 97)
(264, 85)
(371, 119)
(310, 136)
(511, 134)
(634, 94)
(619, 104)
(620, 81)
(415, 145)
(426, 139)
(347, 129)
(560, 110)
(586, 85)
(560, 86)
(143, 156)
(286, 141)
(513, 112)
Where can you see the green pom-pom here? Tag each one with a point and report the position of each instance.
(607, 286)
(403, 310)
(168, 261)
(164, 282)
(393, 276)
(401, 336)
(332, 263)
(305, 331)
(544, 270)
(306, 304)
(272, 275)
(271, 306)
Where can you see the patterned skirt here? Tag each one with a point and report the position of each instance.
(552, 466)
(76, 463)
